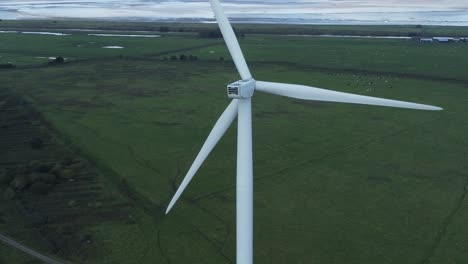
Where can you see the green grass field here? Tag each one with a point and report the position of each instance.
(334, 183)
(17, 48)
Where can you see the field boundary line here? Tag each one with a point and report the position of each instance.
(29, 251)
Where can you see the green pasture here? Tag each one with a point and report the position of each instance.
(29, 49)
(334, 183)
(400, 57)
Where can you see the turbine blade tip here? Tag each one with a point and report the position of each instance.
(434, 108)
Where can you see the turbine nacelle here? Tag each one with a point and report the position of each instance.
(241, 89)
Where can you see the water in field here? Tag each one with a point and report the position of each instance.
(46, 33)
(113, 47)
(125, 36)
(34, 33)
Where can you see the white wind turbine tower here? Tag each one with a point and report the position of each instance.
(241, 92)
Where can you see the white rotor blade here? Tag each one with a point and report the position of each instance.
(317, 94)
(231, 40)
(223, 123)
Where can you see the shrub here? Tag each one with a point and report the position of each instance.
(67, 160)
(5, 177)
(36, 143)
(9, 194)
(57, 60)
(19, 183)
(42, 177)
(40, 188)
(8, 65)
(44, 168)
(183, 57)
(66, 174)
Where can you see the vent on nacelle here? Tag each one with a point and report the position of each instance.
(233, 91)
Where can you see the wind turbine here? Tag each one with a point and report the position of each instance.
(241, 106)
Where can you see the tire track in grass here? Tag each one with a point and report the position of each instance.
(161, 250)
(136, 197)
(324, 156)
(448, 220)
(216, 244)
(142, 162)
(29, 251)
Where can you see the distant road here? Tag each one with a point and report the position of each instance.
(28, 251)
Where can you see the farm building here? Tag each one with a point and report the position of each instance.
(426, 40)
(443, 39)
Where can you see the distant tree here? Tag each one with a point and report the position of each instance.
(173, 58)
(414, 34)
(216, 33)
(210, 33)
(183, 57)
(163, 29)
(193, 58)
(419, 26)
(221, 58)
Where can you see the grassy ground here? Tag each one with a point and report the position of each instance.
(397, 57)
(17, 48)
(333, 183)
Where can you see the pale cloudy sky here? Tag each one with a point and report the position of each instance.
(302, 11)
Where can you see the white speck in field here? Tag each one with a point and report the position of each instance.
(212, 51)
(112, 47)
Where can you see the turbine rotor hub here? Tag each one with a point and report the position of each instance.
(241, 89)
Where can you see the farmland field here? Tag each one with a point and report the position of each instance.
(334, 183)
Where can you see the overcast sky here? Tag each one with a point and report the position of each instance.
(320, 11)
